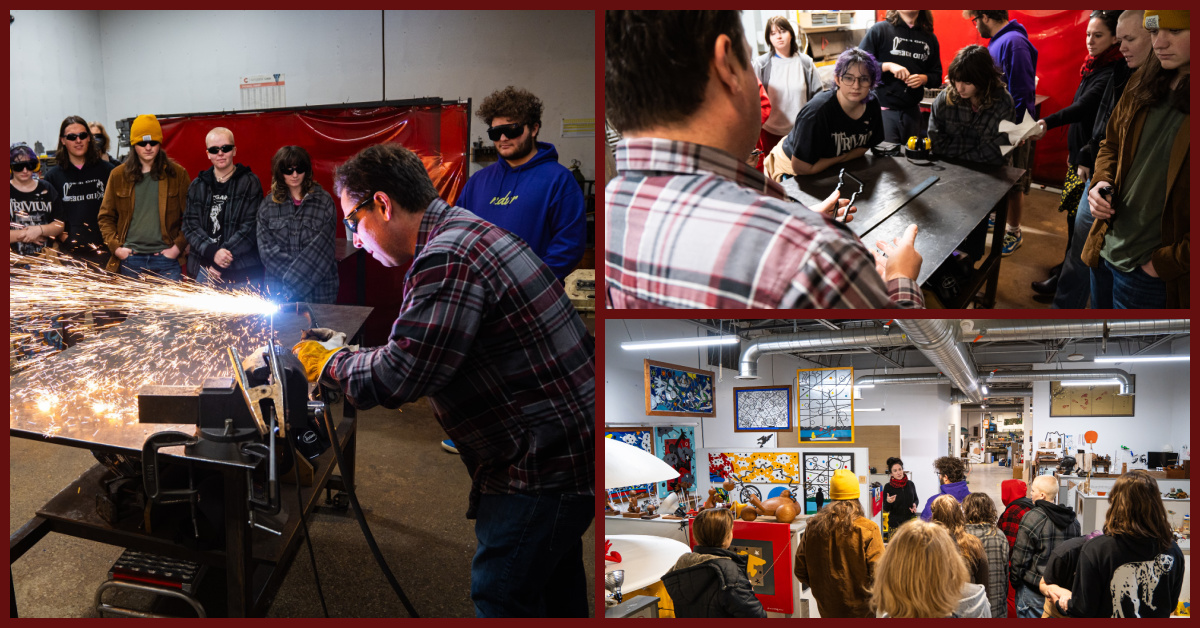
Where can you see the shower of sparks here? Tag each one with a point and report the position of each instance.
(170, 333)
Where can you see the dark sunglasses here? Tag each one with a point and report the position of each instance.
(145, 143)
(23, 165)
(511, 131)
(351, 221)
(224, 148)
(98, 137)
(287, 170)
(71, 137)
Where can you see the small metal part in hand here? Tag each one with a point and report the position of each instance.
(841, 174)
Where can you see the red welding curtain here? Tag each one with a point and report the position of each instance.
(1059, 37)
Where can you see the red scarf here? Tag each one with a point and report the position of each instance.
(901, 483)
(1106, 58)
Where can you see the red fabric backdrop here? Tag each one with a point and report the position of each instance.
(436, 132)
(1058, 36)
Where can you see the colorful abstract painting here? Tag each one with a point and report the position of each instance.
(673, 390)
(674, 445)
(1100, 400)
(762, 408)
(641, 438)
(825, 405)
(779, 467)
(818, 470)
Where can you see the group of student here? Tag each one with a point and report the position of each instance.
(146, 215)
(1134, 78)
(958, 558)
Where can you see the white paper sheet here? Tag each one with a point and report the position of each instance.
(1028, 128)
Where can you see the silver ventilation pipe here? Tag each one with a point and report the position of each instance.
(1126, 380)
(938, 339)
(997, 331)
(956, 396)
(916, 378)
(752, 350)
(975, 407)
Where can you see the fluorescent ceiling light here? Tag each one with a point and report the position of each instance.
(868, 409)
(864, 385)
(1145, 358)
(985, 389)
(681, 342)
(1089, 382)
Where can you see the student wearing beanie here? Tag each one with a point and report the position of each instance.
(837, 554)
(142, 213)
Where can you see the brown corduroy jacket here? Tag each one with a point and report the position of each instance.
(1172, 261)
(116, 210)
(840, 568)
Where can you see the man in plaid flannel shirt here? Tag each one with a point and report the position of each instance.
(688, 223)
(486, 332)
(1041, 530)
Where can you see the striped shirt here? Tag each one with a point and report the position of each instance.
(690, 226)
(487, 333)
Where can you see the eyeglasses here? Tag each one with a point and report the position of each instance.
(98, 137)
(974, 20)
(287, 170)
(511, 131)
(23, 165)
(71, 137)
(351, 221)
(145, 143)
(850, 80)
(224, 148)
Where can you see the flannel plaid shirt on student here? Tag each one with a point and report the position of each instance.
(1010, 521)
(487, 333)
(690, 226)
(997, 549)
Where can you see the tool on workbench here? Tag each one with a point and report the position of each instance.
(842, 175)
(879, 217)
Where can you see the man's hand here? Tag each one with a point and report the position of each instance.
(1101, 208)
(915, 80)
(223, 258)
(898, 258)
(1083, 172)
(316, 358)
(171, 253)
(897, 70)
(1148, 267)
(122, 252)
(834, 200)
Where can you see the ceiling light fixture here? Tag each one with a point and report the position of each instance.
(680, 342)
(1145, 358)
(868, 409)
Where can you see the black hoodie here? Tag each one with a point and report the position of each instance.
(1126, 576)
(712, 582)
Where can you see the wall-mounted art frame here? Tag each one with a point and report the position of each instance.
(825, 405)
(767, 546)
(754, 467)
(675, 445)
(642, 438)
(673, 390)
(1089, 400)
(762, 409)
(819, 468)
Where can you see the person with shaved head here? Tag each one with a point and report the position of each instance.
(221, 217)
(1042, 529)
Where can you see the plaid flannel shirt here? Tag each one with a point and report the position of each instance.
(957, 132)
(690, 226)
(996, 549)
(1036, 538)
(487, 333)
(1010, 521)
(296, 247)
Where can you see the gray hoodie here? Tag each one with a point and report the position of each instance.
(974, 602)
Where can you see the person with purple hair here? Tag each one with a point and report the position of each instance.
(840, 124)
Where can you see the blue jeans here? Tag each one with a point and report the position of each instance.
(1030, 603)
(138, 264)
(529, 562)
(1115, 289)
(1074, 281)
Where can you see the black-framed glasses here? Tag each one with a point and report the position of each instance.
(224, 148)
(145, 143)
(351, 221)
(23, 165)
(289, 169)
(974, 20)
(850, 80)
(511, 131)
(71, 137)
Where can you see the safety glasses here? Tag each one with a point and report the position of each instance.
(146, 143)
(224, 148)
(72, 137)
(289, 169)
(351, 221)
(511, 131)
(23, 165)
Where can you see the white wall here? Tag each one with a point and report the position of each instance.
(54, 70)
(125, 63)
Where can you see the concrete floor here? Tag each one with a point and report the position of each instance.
(1045, 241)
(986, 478)
(414, 494)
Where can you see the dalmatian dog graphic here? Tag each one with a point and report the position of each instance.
(1137, 581)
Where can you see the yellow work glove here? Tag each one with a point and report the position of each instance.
(315, 357)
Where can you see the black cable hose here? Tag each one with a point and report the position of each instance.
(304, 523)
(362, 519)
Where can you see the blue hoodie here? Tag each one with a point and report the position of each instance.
(1015, 54)
(540, 201)
(958, 489)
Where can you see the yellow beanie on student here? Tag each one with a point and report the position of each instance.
(843, 485)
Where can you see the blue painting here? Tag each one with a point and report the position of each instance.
(641, 438)
(673, 444)
(674, 390)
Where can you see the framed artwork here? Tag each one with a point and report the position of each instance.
(825, 405)
(767, 547)
(674, 445)
(1089, 400)
(760, 467)
(642, 438)
(673, 390)
(762, 409)
(818, 469)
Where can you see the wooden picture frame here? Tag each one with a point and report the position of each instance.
(674, 390)
(1089, 401)
(824, 403)
(762, 408)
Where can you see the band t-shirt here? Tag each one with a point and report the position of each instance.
(216, 211)
(26, 209)
(824, 130)
(81, 191)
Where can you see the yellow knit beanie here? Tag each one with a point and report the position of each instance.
(843, 485)
(145, 127)
(1156, 20)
